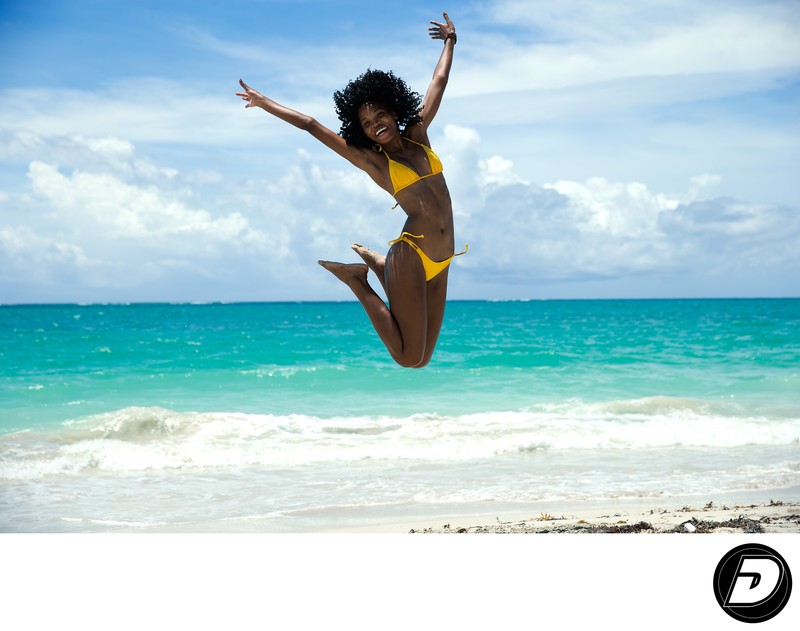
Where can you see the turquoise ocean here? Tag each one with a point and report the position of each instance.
(285, 417)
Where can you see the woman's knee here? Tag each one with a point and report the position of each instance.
(411, 360)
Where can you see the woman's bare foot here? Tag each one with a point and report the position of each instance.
(376, 262)
(348, 273)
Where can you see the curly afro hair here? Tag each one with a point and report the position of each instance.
(374, 86)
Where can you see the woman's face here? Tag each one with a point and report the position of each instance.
(378, 123)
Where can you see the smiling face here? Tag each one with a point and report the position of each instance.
(378, 123)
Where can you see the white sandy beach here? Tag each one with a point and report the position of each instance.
(749, 515)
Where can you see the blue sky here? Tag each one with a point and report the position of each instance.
(592, 149)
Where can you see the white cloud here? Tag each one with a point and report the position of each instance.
(122, 222)
(36, 267)
(722, 223)
(580, 59)
(582, 41)
(571, 231)
(120, 210)
(701, 184)
(23, 249)
(140, 110)
(98, 230)
(614, 208)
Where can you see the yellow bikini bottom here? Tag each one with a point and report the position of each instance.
(432, 268)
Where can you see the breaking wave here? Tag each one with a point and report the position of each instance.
(138, 438)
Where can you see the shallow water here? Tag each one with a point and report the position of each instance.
(114, 416)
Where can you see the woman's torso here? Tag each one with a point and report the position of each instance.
(426, 201)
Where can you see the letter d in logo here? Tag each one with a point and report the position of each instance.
(755, 581)
(752, 583)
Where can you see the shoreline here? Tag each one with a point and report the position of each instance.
(770, 517)
(683, 515)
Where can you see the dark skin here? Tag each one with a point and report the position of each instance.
(410, 325)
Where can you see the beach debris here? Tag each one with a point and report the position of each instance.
(746, 522)
(638, 527)
(743, 523)
(624, 529)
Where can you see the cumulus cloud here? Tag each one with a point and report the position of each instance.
(119, 210)
(724, 233)
(22, 249)
(95, 213)
(123, 222)
(567, 231)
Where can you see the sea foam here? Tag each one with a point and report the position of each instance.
(139, 438)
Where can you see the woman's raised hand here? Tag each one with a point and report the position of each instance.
(250, 95)
(441, 31)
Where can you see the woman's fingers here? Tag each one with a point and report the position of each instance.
(248, 95)
(439, 30)
(436, 31)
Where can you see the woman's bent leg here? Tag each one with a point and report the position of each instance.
(435, 300)
(406, 291)
(403, 327)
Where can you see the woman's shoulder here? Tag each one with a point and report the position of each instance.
(367, 157)
(418, 133)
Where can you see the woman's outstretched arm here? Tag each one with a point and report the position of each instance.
(441, 74)
(329, 138)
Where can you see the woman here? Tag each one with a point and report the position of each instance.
(414, 272)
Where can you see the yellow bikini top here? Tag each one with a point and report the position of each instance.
(403, 176)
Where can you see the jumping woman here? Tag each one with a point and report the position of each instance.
(384, 132)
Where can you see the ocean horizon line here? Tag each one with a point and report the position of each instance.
(200, 303)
